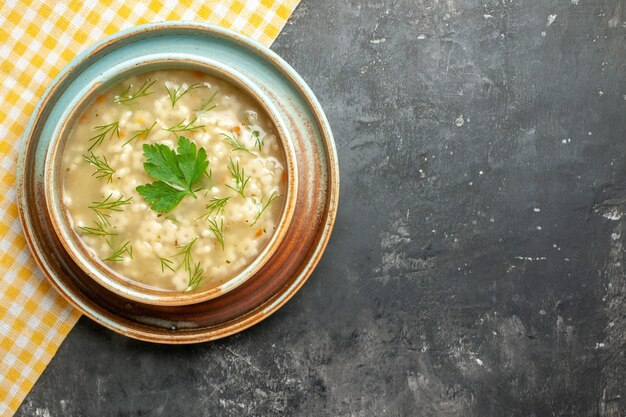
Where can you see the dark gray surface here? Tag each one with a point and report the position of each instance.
(477, 265)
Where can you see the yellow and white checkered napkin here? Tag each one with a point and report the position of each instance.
(37, 39)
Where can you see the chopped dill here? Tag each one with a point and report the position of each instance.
(102, 132)
(103, 169)
(126, 96)
(184, 127)
(118, 255)
(195, 276)
(209, 105)
(142, 133)
(258, 142)
(263, 207)
(186, 253)
(172, 219)
(102, 208)
(175, 94)
(195, 271)
(166, 263)
(98, 230)
(218, 230)
(240, 178)
(216, 205)
(234, 142)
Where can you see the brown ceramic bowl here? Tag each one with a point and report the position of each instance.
(296, 248)
(86, 258)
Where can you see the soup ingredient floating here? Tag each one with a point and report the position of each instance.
(174, 179)
(181, 169)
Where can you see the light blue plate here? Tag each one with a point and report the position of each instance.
(316, 203)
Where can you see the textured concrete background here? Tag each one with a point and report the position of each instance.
(477, 265)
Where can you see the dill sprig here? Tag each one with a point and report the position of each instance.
(186, 253)
(263, 207)
(175, 94)
(142, 133)
(104, 207)
(209, 105)
(102, 132)
(126, 96)
(258, 142)
(195, 271)
(118, 255)
(216, 205)
(240, 178)
(98, 230)
(195, 277)
(166, 263)
(218, 230)
(234, 142)
(184, 127)
(172, 219)
(103, 169)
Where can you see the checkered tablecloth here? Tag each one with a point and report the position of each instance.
(37, 39)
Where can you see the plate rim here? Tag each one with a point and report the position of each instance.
(266, 307)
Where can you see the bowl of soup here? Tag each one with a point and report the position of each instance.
(171, 181)
(178, 182)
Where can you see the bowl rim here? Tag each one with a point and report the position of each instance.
(80, 252)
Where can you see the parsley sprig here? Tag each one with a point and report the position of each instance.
(175, 172)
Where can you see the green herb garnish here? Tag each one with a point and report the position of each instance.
(166, 263)
(175, 172)
(263, 207)
(184, 127)
(216, 205)
(176, 93)
(218, 230)
(240, 178)
(208, 106)
(103, 169)
(126, 96)
(195, 271)
(142, 133)
(102, 132)
(186, 253)
(99, 230)
(195, 276)
(118, 255)
(234, 142)
(102, 208)
(258, 142)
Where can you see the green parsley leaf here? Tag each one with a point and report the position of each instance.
(175, 172)
(191, 165)
(162, 197)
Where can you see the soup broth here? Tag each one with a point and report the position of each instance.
(174, 179)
